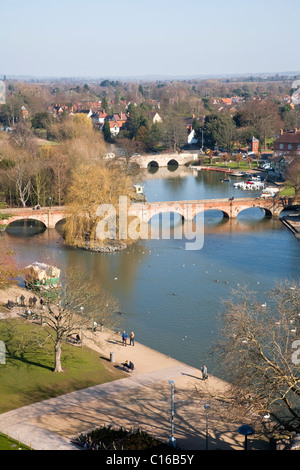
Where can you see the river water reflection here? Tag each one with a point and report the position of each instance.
(170, 296)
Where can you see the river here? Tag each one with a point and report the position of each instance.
(170, 296)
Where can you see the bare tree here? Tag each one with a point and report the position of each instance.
(260, 352)
(22, 138)
(175, 134)
(20, 175)
(293, 178)
(239, 158)
(71, 307)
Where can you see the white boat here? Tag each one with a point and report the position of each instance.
(194, 167)
(250, 186)
(240, 185)
(269, 192)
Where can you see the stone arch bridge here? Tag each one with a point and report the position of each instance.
(164, 159)
(145, 211)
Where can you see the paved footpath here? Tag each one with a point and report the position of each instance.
(140, 400)
(21, 424)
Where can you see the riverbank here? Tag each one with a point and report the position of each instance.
(140, 400)
(293, 224)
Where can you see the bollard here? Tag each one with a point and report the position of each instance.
(112, 357)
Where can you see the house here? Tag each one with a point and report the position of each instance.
(280, 164)
(114, 128)
(227, 101)
(120, 119)
(155, 117)
(98, 118)
(288, 142)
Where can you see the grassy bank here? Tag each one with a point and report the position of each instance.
(6, 443)
(27, 374)
(287, 191)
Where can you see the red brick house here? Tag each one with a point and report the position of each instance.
(288, 142)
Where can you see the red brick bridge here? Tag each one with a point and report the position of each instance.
(145, 211)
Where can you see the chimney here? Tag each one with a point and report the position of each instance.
(295, 130)
(281, 131)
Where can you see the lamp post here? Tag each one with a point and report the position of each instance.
(246, 431)
(50, 201)
(207, 408)
(172, 441)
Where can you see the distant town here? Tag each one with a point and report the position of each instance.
(223, 119)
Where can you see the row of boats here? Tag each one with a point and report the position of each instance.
(255, 184)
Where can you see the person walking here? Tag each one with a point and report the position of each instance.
(204, 372)
(22, 298)
(34, 300)
(132, 338)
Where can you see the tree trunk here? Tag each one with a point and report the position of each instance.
(57, 348)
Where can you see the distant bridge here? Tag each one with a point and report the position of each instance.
(164, 159)
(145, 211)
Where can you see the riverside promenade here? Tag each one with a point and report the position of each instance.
(141, 399)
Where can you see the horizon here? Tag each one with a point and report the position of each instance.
(132, 40)
(288, 75)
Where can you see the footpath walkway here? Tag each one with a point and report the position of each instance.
(29, 424)
(141, 399)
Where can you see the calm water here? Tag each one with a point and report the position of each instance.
(170, 296)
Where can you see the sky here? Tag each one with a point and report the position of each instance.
(138, 38)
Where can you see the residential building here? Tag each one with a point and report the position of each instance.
(288, 143)
(280, 164)
(155, 117)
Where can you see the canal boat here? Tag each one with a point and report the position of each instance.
(41, 275)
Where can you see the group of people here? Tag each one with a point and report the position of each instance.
(129, 366)
(125, 338)
(32, 302)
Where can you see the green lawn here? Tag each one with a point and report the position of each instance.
(287, 191)
(6, 443)
(27, 375)
(244, 165)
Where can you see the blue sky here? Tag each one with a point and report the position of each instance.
(127, 38)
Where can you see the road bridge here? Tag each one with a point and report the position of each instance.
(146, 210)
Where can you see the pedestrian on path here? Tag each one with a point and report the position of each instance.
(132, 338)
(124, 338)
(22, 298)
(204, 372)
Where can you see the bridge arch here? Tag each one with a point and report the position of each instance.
(166, 224)
(59, 226)
(172, 164)
(165, 215)
(288, 209)
(209, 213)
(29, 224)
(255, 213)
(153, 164)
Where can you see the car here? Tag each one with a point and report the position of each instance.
(136, 155)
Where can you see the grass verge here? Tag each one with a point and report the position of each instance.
(6, 443)
(27, 376)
